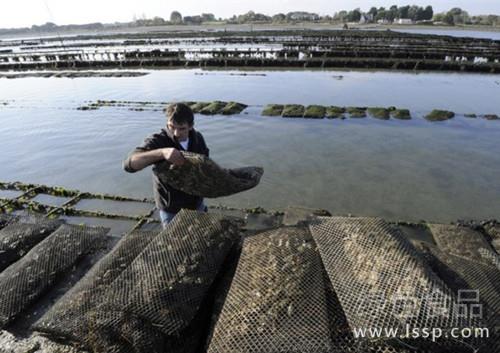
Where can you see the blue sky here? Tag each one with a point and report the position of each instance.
(21, 13)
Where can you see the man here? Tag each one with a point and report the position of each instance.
(179, 135)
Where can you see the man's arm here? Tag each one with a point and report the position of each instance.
(140, 160)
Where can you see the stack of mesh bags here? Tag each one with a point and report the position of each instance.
(25, 280)
(382, 282)
(281, 300)
(143, 296)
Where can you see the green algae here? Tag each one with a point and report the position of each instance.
(293, 111)
(213, 108)
(350, 109)
(334, 112)
(439, 115)
(401, 114)
(197, 107)
(233, 108)
(379, 113)
(256, 210)
(315, 112)
(273, 110)
(356, 112)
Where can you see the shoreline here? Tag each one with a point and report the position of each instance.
(241, 27)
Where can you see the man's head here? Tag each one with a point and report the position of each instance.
(180, 120)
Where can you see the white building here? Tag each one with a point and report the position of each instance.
(366, 18)
(403, 21)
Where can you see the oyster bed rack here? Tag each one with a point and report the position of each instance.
(25, 202)
(300, 49)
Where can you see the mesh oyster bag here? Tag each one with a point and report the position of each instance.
(67, 318)
(381, 280)
(461, 241)
(154, 299)
(25, 280)
(6, 219)
(492, 228)
(478, 285)
(462, 273)
(343, 339)
(200, 176)
(276, 302)
(16, 239)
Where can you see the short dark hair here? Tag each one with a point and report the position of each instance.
(180, 113)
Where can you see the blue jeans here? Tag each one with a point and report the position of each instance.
(166, 217)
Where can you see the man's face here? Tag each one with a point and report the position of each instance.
(180, 131)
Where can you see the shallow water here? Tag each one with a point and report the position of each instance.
(395, 169)
(452, 32)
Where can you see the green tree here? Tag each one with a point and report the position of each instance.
(354, 15)
(438, 17)
(428, 13)
(208, 17)
(403, 11)
(341, 16)
(392, 13)
(279, 18)
(412, 12)
(420, 14)
(158, 21)
(176, 17)
(456, 16)
(381, 14)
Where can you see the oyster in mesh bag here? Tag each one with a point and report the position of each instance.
(200, 176)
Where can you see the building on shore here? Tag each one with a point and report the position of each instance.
(403, 21)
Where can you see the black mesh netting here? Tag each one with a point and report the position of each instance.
(280, 300)
(461, 241)
(276, 302)
(6, 219)
(149, 304)
(480, 287)
(16, 239)
(492, 228)
(200, 176)
(461, 273)
(343, 339)
(25, 280)
(381, 280)
(66, 319)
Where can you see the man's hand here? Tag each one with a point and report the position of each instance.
(173, 156)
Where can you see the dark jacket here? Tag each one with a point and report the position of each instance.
(166, 197)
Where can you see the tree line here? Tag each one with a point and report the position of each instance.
(413, 13)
